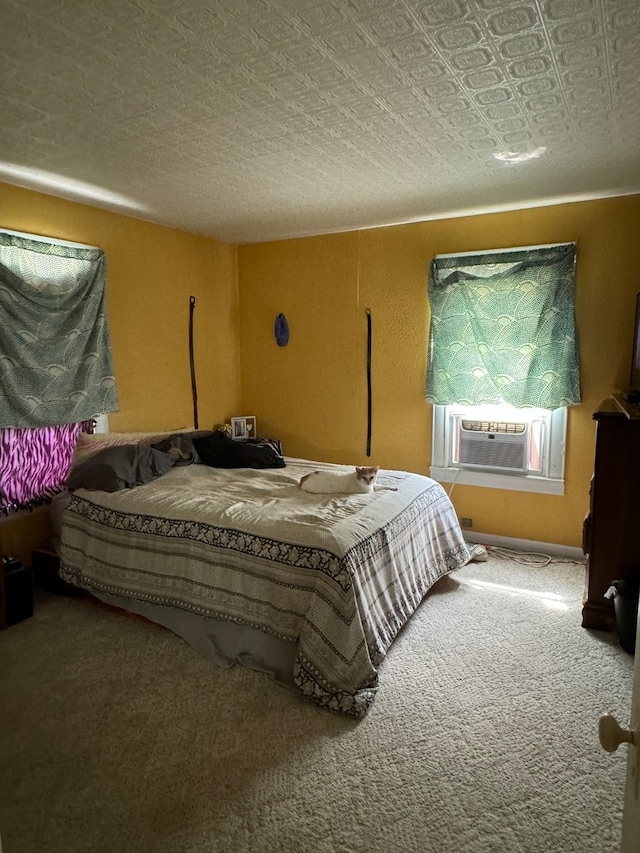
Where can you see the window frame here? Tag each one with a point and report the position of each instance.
(444, 470)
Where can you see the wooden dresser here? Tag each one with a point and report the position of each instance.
(611, 529)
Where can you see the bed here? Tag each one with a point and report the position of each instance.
(247, 568)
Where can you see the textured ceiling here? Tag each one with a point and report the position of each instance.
(252, 120)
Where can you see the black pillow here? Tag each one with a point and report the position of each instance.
(122, 467)
(218, 450)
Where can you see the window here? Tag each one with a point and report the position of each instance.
(503, 366)
(56, 360)
(500, 447)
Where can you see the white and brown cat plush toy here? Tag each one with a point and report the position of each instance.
(359, 481)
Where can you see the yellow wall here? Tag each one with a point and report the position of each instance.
(312, 393)
(151, 273)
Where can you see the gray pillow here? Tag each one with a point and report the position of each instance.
(116, 468)
(180, 448)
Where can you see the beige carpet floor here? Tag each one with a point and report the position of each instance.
(115, 736)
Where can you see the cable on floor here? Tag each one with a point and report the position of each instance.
(526, 558)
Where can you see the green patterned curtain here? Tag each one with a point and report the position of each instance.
(503, 329)
(55, 354)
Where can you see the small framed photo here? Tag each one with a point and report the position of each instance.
(243, 428)
(238, 428)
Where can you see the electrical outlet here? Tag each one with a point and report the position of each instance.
(466, 522)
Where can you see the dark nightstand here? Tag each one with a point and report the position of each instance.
(3, 606)
(16, 592)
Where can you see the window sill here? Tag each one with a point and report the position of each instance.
(513, 482)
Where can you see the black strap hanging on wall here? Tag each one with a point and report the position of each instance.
(194, 389)
(369, 341)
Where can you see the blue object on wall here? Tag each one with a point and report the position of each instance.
(281, 330)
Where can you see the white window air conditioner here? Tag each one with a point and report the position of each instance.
(492, 445)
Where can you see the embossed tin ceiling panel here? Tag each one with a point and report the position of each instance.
(251, 120)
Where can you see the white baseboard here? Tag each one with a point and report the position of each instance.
(550, 548)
